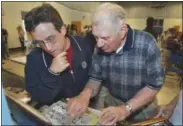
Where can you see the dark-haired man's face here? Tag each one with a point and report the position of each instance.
(49, 39)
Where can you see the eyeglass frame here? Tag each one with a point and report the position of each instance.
(42, 43)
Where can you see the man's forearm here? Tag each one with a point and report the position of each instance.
(143, 97)
(91, 89)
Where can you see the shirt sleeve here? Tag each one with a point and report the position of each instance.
(42, 87)
(154, 71)
(95, 71)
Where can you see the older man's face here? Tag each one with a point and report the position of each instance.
(107, 38)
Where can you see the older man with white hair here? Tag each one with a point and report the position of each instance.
(128, 60)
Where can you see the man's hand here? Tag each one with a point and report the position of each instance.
(111, 115)
(77, 106)
(59, 63)
(165, 111)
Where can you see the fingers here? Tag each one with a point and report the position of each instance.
(62, 58)
(104, 114)
(74, 108)
(64, 66)
(62, 54)
(70, 106)
(112, 122)
(79, 111)
(60, 63)
(108, 117)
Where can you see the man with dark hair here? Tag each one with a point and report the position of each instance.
(149, 27)
(59, 67)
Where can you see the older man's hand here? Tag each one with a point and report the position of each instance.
(77, 106)
(111, 115)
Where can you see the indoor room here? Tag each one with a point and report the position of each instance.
(91, 63)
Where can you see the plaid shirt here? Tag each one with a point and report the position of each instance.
(134, 67)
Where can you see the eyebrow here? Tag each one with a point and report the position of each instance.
(46, 38)
(49, 37)
(106, 37)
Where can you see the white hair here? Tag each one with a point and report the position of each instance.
(109, 13)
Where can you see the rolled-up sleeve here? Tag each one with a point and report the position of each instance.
(95, 71)
(154, 71)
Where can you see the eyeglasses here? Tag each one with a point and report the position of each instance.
(51, 40)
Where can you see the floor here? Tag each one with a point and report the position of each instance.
(169, 90)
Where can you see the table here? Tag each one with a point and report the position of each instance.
(20, 59)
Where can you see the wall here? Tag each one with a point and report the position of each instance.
(12, 17)
(69, 15)
(173, 15)
(137, 13)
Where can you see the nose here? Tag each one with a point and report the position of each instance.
(100, 43)
(48, 46)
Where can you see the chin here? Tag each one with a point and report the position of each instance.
(54, 54)
(108, 51)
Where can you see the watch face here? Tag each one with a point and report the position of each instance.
(128, 108)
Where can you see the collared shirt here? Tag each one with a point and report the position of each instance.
(120, 48)
(134, 67)
(47, 87)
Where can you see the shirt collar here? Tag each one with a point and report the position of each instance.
(128, 44)
(120, 48)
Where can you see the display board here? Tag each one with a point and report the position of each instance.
(57, 115)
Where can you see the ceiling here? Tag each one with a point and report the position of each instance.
(87, 6)
(81, 6)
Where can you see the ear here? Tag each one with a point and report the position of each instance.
(63, 30)
(124, 27)
(123, 30)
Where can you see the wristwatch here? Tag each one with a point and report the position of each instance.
(128, 107)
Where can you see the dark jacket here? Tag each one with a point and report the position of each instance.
(91, 39)
(44, 86)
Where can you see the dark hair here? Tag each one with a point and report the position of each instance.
(42, 14)
(150, 21)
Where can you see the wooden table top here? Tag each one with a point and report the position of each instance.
(14, 67)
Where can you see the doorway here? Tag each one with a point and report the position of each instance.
(78, 25)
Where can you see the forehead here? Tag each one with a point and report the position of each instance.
(43, 30)
(102, 31)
